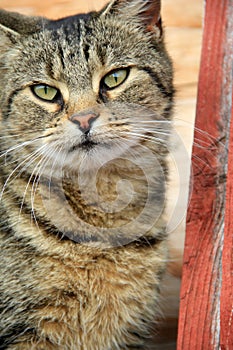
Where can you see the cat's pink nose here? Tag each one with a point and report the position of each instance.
(84, 120)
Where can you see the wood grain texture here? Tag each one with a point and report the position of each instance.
(226, 336)
(226, 302)
(204, 268)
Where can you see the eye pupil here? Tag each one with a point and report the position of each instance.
(115, 78)
(45, 92)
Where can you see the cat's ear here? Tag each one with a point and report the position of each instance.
(13, 25)
(147, 11)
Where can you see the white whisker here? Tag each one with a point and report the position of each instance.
(18, 146)
(58, 150)
(139, 136)
(146, 122)
(37, 155)
(16, 168)
(41, 166)
(152, 131)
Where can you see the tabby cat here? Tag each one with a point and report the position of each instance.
(86, 104)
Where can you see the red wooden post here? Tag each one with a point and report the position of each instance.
(226, 336)
(205, 320)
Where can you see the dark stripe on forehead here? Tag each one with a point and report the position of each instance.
(61, 55)
(87, 35)
(69, 26)
(67, 22)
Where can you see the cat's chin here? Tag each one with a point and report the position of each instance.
(87, 156)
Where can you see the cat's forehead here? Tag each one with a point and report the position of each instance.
(80, 49)
(108, 37)
(78, 45)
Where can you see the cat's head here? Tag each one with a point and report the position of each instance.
(86, 87)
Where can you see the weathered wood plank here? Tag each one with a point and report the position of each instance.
(226, 304)
(199, 323)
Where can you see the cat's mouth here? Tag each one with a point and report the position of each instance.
(89, 143)
(85, 145)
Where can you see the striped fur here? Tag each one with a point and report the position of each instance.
(82, 232)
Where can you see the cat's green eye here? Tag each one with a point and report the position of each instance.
(45, 92)
(115, 78)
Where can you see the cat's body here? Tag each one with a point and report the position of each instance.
(85, 110)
